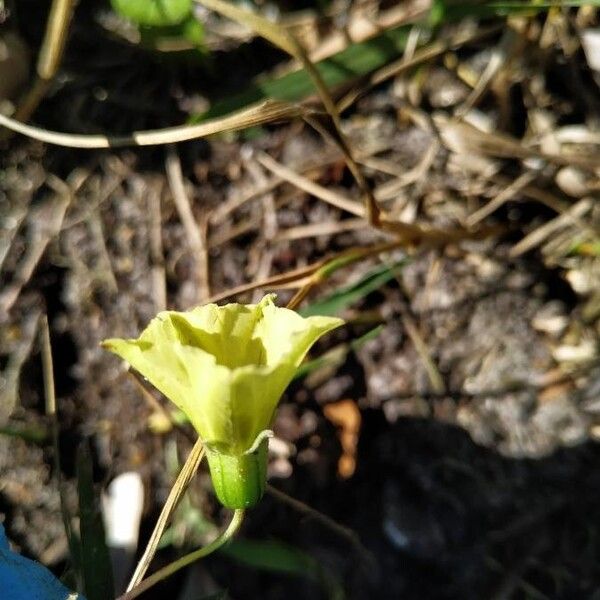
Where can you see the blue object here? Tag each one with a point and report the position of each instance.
(25, 579)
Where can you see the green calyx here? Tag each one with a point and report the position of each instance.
(239, 480)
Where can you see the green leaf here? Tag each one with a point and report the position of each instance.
(271, 556)
(193, 31)
(95, 559)
(35, 434)
(277, 557)
(182, 37)
(154, 13)
(344, 297)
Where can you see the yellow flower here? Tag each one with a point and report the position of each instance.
(226, 368)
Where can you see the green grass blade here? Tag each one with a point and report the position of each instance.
(342, 298)
(337, 355)
(353, 62)
(95, 559)
(34, 434)
(454, 11)
(277, 557)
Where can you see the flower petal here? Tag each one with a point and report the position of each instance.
(287, 336)
(255, 393)
(226, 332)
(187, 376)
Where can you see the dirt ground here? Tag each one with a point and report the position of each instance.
(473, 473)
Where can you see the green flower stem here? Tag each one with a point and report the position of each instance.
(184, 561)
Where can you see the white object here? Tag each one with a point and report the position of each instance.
(122, 508)
(590, 40)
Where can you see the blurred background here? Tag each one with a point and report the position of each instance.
(442, 444)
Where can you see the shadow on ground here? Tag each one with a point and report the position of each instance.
(443, 518)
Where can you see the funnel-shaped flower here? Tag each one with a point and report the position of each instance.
(226, 368)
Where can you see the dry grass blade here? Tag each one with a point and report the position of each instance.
(55, 37)
(364, 25)
(537, 236)
(310, 187)
(188, 559)
(538, 194)
(498, 60)
(319, 229)
(292, 279)
(309, 276)
(157, 259)
(433, 373)
(286, 41)
(12, 220)
(390, 189)
(51, 52)
(464, 138)
(220, 214)
(50, 402)
(258, 114)
(179, 487)
(506, 194)
(278, 36)
(405, 63)
(196, 235)
(339, 261)
(10, 375)
(45, 221)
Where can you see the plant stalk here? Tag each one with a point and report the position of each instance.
(184, 561)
